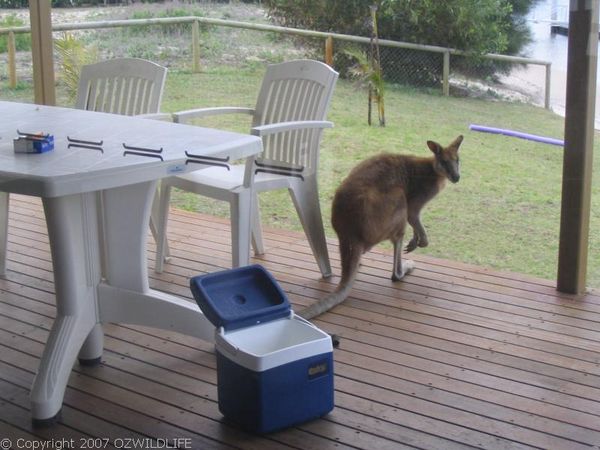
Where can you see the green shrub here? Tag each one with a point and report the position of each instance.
(14, 4)
(22, 40)
(144, 50)
(166, 29)
(476, 26)
(137, 30)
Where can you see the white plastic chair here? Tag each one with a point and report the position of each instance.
(290, 116)
(128, 86)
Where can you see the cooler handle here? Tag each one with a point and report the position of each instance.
(293, 315)
(335, 339)
(229, 348)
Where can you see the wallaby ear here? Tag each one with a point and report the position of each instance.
(456, 143)
(434, 147)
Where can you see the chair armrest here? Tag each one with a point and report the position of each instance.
(184, 116)
(156, 116)
(264, 130)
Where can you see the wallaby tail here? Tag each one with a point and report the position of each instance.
(350, 254)
(325, 304)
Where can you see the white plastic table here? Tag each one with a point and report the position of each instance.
(99, 253)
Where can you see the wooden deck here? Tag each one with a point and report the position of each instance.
(456, 356)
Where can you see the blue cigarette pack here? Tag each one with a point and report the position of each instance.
(38, 143)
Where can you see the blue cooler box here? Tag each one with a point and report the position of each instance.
(274, 369)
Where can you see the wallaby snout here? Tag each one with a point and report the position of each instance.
(454, 178)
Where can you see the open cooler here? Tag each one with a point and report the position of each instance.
(274, 369)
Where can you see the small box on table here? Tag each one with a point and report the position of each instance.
(33, 143)
(274, 369)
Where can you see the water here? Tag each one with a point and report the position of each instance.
(551, 47)
(548, 46)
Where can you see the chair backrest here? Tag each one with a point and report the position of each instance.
(292, 91)
(127, 86)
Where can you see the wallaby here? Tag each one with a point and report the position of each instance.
(374, 203)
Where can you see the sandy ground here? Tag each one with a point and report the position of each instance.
(236, 11)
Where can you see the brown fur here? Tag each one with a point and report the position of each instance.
(376, 201)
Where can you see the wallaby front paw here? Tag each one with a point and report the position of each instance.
(414, 242)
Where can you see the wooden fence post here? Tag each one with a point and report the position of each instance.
(446, 74)
(195, 46)
(12, 61)
(548, 87)
(329, 51)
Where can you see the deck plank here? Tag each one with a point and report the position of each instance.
(456, 356)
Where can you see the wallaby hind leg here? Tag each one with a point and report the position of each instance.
(401, 268)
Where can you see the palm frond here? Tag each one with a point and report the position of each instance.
(73, 54)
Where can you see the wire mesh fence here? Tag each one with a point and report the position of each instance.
(468, 75)
(171, 42)
(416, 68)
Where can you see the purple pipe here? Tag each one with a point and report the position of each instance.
(531, 137)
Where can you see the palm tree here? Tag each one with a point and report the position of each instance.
(367, 71)
(376, 80)
(73, 55)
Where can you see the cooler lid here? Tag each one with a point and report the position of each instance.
(240, 297)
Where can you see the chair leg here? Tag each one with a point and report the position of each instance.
(305, 195)
(257, 236)
(3, 231)
(154, 218)
(240, 207)
(161, 227)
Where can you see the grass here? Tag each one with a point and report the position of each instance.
(505, 211)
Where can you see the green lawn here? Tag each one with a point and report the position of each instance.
(504, 212)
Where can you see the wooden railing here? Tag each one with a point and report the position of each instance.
(327, 37)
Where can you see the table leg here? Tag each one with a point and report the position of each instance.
(90, 353)
(3, 231)
(72, 229)
(125, 297)
(126, 217)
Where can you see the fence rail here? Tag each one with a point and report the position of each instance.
(327, 37)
